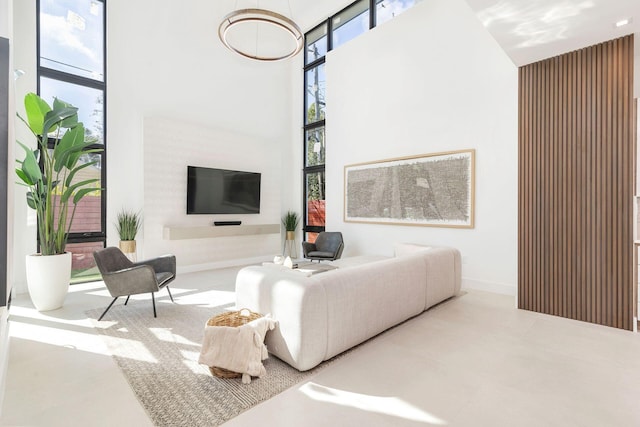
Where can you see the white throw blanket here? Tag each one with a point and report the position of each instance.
(239, 349)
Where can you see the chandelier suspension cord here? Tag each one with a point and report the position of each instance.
(290, 12)
(257, 29)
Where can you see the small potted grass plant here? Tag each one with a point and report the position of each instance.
(127, 225)
(290, 221)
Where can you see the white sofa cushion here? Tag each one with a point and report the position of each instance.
(402, 249)
(297, 302)
(371, 298)
(327, 313)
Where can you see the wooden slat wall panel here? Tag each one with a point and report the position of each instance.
(577, 166)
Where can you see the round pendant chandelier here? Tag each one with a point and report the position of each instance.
(261, 34)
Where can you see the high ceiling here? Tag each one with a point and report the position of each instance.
(528, 30)
(531, 30)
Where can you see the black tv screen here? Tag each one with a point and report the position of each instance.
(221, 191)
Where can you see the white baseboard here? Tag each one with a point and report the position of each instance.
(496, 288)
(223, 264)
(18, 288)
(4, 351)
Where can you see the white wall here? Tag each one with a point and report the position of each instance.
(24, 58)
(6, 24)
(6, 31)
(439, 89)
(430, 80)
(169, 147)
(165, 61)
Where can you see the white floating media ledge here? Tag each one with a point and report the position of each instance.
(182, 233)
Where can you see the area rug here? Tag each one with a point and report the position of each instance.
(159, 358)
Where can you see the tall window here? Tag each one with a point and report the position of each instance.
(71, 66)
(314, 153)
(338, 29)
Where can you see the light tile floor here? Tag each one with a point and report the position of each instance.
(472, 361)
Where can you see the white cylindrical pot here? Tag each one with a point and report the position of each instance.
(48, 279)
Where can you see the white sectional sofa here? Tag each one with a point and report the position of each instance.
(322, 315)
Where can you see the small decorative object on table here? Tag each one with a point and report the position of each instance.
(288, 262)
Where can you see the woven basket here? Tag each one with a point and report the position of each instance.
(233, 319)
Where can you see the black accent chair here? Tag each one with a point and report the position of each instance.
(327, 247)
(124, 277)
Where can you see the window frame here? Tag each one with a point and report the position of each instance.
(62, 76)
(344, 11)
(308, 170)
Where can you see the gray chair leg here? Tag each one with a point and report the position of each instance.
(170, 296)
(153, 300)
(105, 312)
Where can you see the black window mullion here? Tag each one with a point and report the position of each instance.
(312, 229)
(71, 78)
(314, 125)
(314, 169)
(86, 237)
(314, 64)
(372, 14)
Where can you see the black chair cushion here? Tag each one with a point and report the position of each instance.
(321, 254)
(163, 278)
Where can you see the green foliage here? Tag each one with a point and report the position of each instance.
(290, 221)
(315, 186)
(128, 224)
(314, 114)
(48, 172)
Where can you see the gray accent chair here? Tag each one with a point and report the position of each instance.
(327, 247)
(124, 277)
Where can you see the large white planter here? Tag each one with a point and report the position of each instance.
(48, 279)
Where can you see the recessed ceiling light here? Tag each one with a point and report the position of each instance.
(623, 22)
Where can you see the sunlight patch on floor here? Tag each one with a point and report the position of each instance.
(391, 406)
(74, 336)
(191, 361)
(18, 312)
(166, 334)
(58, 337)
(124, 347)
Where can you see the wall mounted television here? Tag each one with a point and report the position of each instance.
(221, 191)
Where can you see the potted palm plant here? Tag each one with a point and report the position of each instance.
(53, 190)
(127, 225)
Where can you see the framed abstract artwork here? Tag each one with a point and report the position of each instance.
(434, 190)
